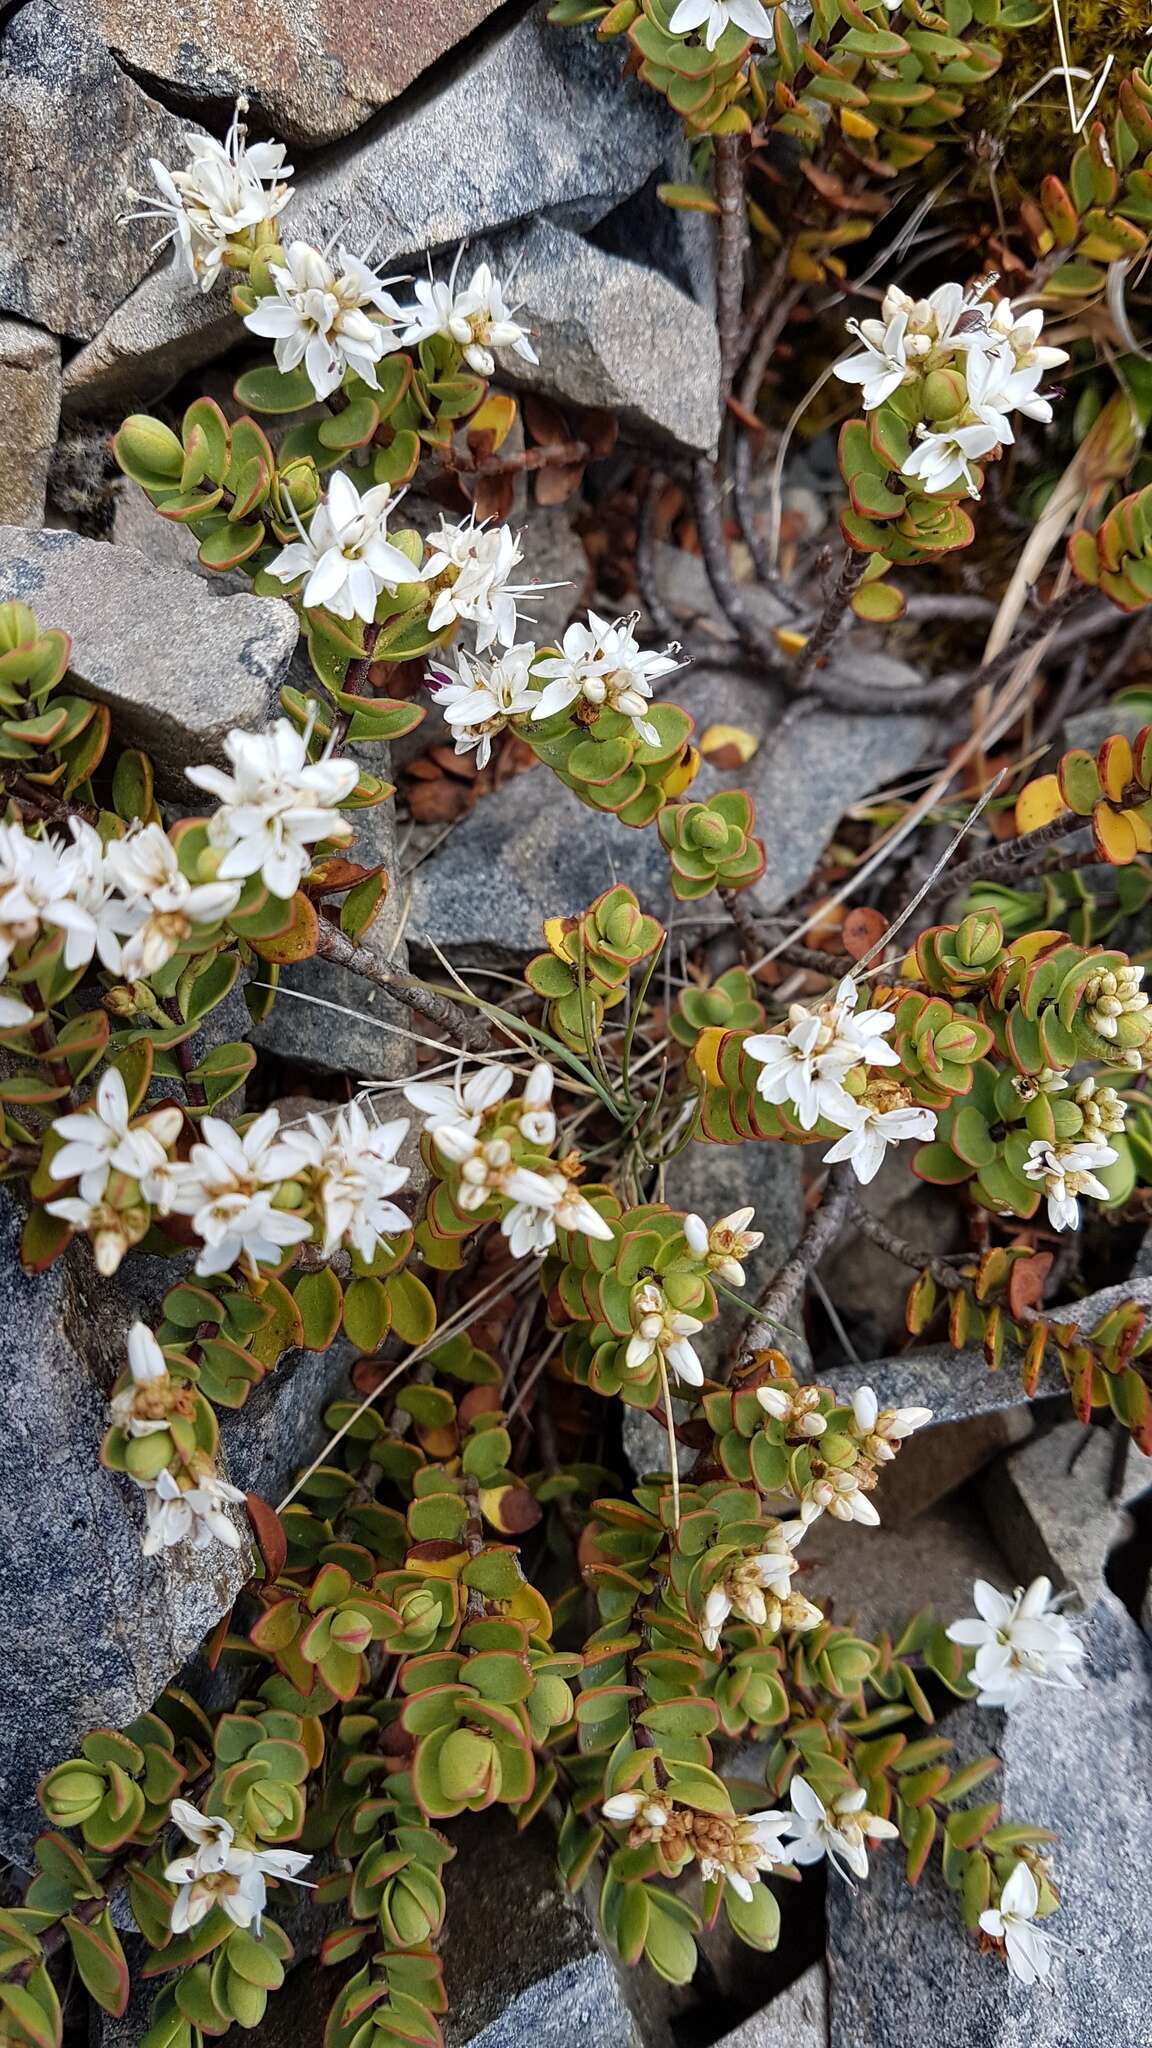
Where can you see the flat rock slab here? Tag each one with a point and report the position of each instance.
(613, 335)
(177, 665)
(1050, 1508)
(74, 133)
(876, 1579)
(315, 70)
(539, 119)
(29, 418)
(797, 2019)
(904, 1972)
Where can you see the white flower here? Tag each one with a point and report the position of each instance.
(714, 16)
(222, 1872)
(1110, 996)
(227, 189)
(726, 1245)
(103, 1139)
(136, 1409)
(1103, 1111)
(841, 1831)
(354, 1162)
(35, 874)
(316, 316)
(555, 1202)
(807, 1063)
(274, 805)
(346, 554)
(798, 1408)
(146, 870)
(882, 366)
(1029, 1948)
(476, 319)
(93, 920)
(940, 460)
(627, 1807)
(227, 1188)
(757, 1841)
(1020, 332)
(1018, 1642)
(465, 1102)
(1064, 1172)
(662, 1331)
(872, 1128)
(193, 1515)
(469, 568)
(210, 1834)
(743, 1587)
(879, 1429)
(14, 1012)
(842, 1495)
(483, 697)
(602, 664)
(537, 1118)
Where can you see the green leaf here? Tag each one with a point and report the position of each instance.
(320, 1300)
(100, 1961)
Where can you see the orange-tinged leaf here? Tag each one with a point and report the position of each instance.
(1115, 834)
(728, 746)
(1039, 803)
(1116, 766)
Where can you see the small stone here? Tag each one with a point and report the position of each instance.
(178, 666)
(316, 71)
(1050, 1509)
(874, 1579)
(613, 336)
(903, 1970)
(523, 1961)
(539, 119)
(797, 2019)
(75, 133)
(29, 417)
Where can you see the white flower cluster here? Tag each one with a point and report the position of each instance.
(995, 357)
(222, 1872)
(759, 1590)
(274, 806)
(1020, 1641)
(808, 1063)
(599, 664)
(842, 1492)
(226, 190)
(542, 1198)
(738, 1849)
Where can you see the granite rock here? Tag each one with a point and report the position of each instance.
(316, 71)
(178, 666)
(613, 335)
(29, 417)
(537, 122)
(903, 1971)
(1050, 1508)
(92, 1630)
(934, 1462)
(74, 133)
(797, 2019)
(879, 1578)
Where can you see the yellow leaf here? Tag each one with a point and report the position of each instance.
(705, 1053)
(788, 641)
(1115, 835)
(554, 936)
(720, 737)
(1039, 803)
(857, 125)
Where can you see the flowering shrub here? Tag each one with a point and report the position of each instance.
(395, 1662)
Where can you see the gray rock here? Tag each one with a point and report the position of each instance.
(902, 1969)
(934, 1462)
(523, 1961)
(316, 71)
(713, 1180)
(1050, 1509)
(528, 851)
(167, 542)
(876, 1579)
(177, 666)
(868, 1285)
(680, 244)
(74, 133)
(613, 335)
(1089, 729)
(29, 417)
(797, 2019)
(539, 120)
(92, 1630)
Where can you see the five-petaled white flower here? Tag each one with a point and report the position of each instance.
(145, 868)
(223, 1872)
(889, 1118)
(725, 1245)
(469, 569)
(465, 1102)
(661, 1331)
(882, 365)
(138, 1409)
(1019, 1641)
(346, 554)
(317, 317)
(806, 1064)
(1064, 1172)
(102, 1139)
(841, 1831)
(192, 1514)
(228, 1188)
(714, 16)
(1013, 1921)
(553, 1203)
(602, 665)
(226, 189)
(476, 318)
(941, 460)
(275, 805)
(483, 697)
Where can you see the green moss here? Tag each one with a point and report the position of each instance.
(1036, 136)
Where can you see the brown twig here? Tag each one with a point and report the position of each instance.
(831, 618)
(1011, 857)
(755, 938)
(731, 234)
(466, 1031)
(873, 1228)
(714, 548)
(646, 577)
(779, 1300)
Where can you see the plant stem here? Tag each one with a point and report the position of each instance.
(875, 1229)
(714, 548)
(780, 1299)
(471, 1033)
(550, 455)
(831, 618)
(731, 234)
(754, 940)
(1010, 856)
